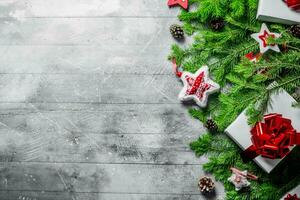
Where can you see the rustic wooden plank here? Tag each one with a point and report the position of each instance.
(91, 125)
(43, 88)
(108, 178)
(25, 195)
(91, 8)
(67, 146)
(123, 59)
(112, 88)
(86, 46)
(100, 119)
(87, 31)
(95, 118)
(97, 133)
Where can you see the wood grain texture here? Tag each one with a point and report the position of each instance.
(13, 195)
(88, 136)
(47, 59)
(76, 45)
(86, 31)
(88, 103)
(84, 88)
(101, 119)
(82, 8)
(97, 178)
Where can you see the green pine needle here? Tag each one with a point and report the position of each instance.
(246, 86)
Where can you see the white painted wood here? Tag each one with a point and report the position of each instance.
(13, 195)
(146, 58)
(78, 45)
(103, 32)
(88, 103)
(85, 8)
(125, 178)
(101, 119)
(97, 88)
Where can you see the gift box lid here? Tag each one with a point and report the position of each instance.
(277, 11)
(239, 130)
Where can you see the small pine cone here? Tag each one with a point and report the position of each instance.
(211, 125)
(206, 184)
(296, 96)
(176, 31)
(295, 30)
(217, 24)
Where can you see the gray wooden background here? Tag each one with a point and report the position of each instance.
(88, 103)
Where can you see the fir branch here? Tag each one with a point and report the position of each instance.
(294, 48)
(246, 84)
(260, 103)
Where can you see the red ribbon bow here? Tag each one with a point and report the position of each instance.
(272, 138)
(291, 197)
(293, 4)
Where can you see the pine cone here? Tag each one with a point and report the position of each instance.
(206, 184)
(295, 30)
(176, 31)
(296, 96)
(211, 125)
(217, 24)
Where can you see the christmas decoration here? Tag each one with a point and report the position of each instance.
(176, 31)
(183, 3)
(197, 86)
(278, 11)
(211, 125)
(239, 178)
(262, 38)
(249, 92)
(291, 197)
(252, 57)
(275, 143)
(293, 4)
(206, 184)
(296, 96)
(273, 138)
(217, 24)
(295, 30)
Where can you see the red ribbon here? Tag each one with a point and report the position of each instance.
(272, 138)
(175, 68)
(240, 173)
(291, 197)
(293, 4)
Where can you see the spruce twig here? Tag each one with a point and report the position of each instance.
(246, 84)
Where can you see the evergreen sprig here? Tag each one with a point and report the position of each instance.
(246, 85)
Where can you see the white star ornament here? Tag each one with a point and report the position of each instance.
(262, 39)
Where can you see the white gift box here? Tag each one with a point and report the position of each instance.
(277, 11)
(239, 130)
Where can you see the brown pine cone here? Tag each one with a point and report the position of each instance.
(206, 184)
(295, 30)
(217, 24)
(296, 96)
(211, 125)
(176, 31)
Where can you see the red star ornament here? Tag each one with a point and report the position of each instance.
(183, 3)
(197, 86)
